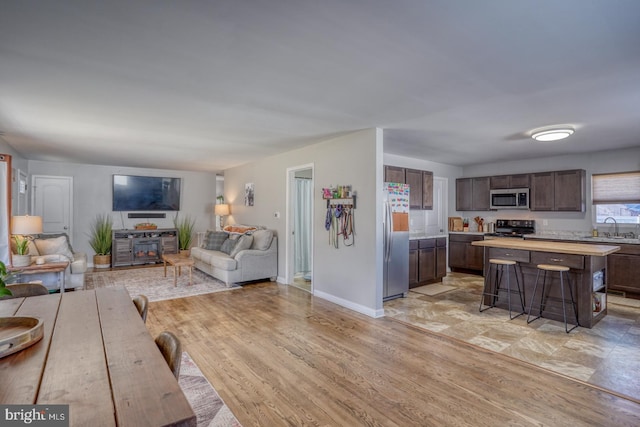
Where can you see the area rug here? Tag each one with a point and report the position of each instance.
(150, 281)
(209, 408)
(433, 289)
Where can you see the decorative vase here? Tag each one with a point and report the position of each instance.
(21, 260)
(102, 261)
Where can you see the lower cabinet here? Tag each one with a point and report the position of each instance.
(463, 256)
(623, 270)
(427, 261)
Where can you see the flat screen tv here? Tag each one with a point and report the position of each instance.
(145, 193)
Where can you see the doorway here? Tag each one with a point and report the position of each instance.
(300, 227)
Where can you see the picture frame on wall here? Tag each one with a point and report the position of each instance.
(249, 193)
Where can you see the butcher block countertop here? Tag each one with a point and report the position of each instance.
(557, 247)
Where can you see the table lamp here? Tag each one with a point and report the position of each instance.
(222, 210)
(22, 227)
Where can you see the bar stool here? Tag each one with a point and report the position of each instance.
(501, 268)
(561, 269)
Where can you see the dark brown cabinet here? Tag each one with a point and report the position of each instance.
(558, 191)
(394, 174)
(420, 185)
(623, 270)
(427, 190)
(427, 261)
(413, 177)
(510, 181)
(413, 263)
(463, 256)
(472, 194)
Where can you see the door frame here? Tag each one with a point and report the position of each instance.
(289, 245)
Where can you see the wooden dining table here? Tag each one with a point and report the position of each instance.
(96, 356)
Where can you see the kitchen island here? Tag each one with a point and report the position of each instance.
(587, 263)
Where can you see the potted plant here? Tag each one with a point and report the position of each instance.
(4, 276)
(21, 258)
(101, 234)
(185, 228)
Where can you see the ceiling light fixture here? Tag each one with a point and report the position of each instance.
(552, 134)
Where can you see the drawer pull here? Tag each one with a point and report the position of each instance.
(507, 254)
(555, 259)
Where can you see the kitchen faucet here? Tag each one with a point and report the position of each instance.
(615, 224)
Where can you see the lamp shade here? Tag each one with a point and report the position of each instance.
(221, 210)
(26, 225)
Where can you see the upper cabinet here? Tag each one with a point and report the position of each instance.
(394, 174)
(420, 185)
(562, 191)
(472, 194)
(510, 181)
(427, 190)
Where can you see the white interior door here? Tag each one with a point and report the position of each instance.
(52, 199)
(437, 218)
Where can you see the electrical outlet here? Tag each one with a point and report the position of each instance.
(276, 214)
(545, 222)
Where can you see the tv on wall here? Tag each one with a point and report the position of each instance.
(145, 193)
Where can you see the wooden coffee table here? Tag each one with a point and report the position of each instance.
(177, 261)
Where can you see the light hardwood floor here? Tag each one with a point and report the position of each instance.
(280, 357)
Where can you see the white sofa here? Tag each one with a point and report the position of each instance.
(57, 248)
(253, 257)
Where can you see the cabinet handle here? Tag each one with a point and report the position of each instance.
(507, 254)
(555, 259)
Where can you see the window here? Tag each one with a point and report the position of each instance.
(617, 195)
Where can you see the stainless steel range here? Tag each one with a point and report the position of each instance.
(514, 228)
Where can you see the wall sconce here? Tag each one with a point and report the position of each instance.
(221, 210)
(24, 226)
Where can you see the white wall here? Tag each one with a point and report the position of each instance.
(597, 162)
(92, 195)
(349, 276)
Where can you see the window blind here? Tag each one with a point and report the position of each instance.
(611, 188)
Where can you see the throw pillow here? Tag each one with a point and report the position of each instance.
(228, 246)
(262, 239)
(239, 229)
(214, 240)
(244, 242)
(54, 246)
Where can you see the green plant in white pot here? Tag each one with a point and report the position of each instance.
(185, 228)
(21, 258)
(100, 240)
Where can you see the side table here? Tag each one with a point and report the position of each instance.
(177, 261)
(43, 270)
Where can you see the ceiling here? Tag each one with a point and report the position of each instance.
(207, 85)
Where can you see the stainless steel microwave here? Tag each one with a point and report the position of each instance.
(509, 198)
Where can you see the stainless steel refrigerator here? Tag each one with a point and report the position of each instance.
(396, 240)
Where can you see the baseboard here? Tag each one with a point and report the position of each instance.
(350, 305)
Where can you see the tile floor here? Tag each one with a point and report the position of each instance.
(607, 355)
